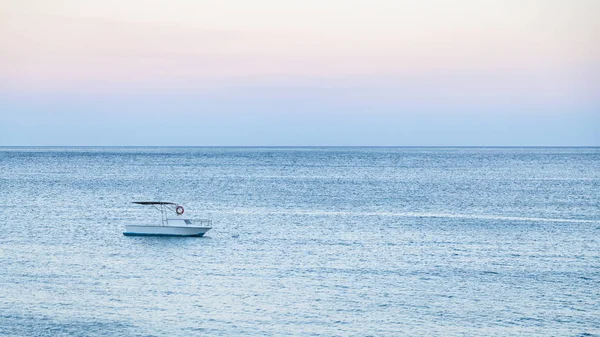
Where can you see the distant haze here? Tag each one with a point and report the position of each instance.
(267, 72)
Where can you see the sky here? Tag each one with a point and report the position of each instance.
(299, 73)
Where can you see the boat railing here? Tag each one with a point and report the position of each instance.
(189, 222)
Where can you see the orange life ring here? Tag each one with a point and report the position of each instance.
(179, 210)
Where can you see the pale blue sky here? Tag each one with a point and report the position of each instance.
(293, 73)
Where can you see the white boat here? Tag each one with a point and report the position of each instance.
(169, 226)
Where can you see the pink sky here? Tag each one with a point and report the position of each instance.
(72, 43)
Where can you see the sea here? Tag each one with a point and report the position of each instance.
(306, 241)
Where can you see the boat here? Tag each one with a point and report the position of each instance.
(169, 225)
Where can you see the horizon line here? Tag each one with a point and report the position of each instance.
(299, 146)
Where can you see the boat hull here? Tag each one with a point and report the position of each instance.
(131, 230)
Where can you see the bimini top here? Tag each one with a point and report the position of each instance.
(154, 203)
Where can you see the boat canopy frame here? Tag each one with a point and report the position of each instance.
(162, 207)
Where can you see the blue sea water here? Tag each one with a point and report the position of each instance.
(306, 242)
